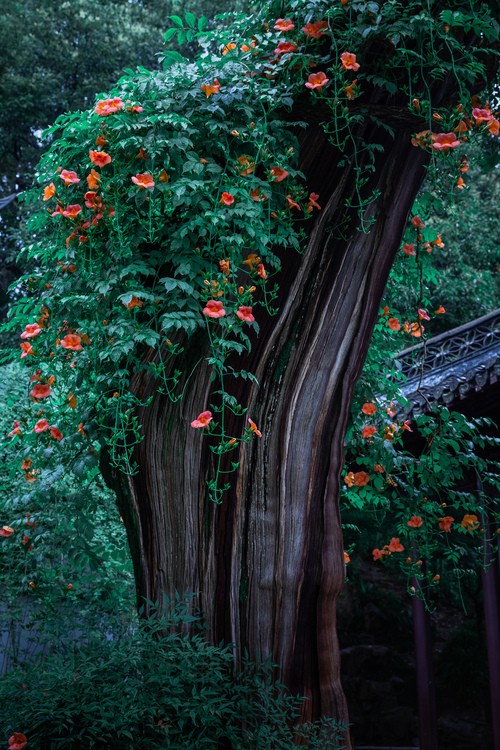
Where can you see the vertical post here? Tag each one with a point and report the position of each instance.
(426, 694)
(491, 603)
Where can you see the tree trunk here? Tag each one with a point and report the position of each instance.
(266, 565)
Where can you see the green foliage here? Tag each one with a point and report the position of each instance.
(153, 687)
(196, 199)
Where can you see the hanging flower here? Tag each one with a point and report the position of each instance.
(49, 191)
(69, 177)
(417, 222)
(254, 428)
(55, 433)
(214, 309)
(347, 559)
(252, 261)
(440, 311)
(41, 426)
(285, 48)
(210, 88)
(292, 203)
(245, 314)
(71, 212)
(350, 90)
(469, 522)
(395, 545)
(317, 80)
(348, 60)
(72, 342)
(6, 531)
(378, 554)
(444, 141)
(394, 324)
(106, 107)
(31, 330)
(93, 179)
(202, 420)
(99, 158)
(315, 30)
(227, 199)
(422, 314)
(284, 24)
(415, 522)
(134, 302)
(446, 523)
(409, 249)
(278, 174)
(261, 271)
(16, 430)
(313, 202)
(40, 391)
(144, 181)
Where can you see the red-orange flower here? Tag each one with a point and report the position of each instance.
(313, 202)
(69, 177)
(469, 522)
(228, 47)
(202, 420)
(214, 309)
(440, 310)
(292, 203)
(245, 314)
(134, 302)
(71, 212)
(40, 390)
(225, 266)
(368, 432)
(261, 271)
(350, 90)
(284, 24)
(444, 141)
(106, 107)
(482, 115)
(315, 30)
(378, 554)
(395, 545)
(254, 427)
(31, 330)
(72, 342)
(144, 181)
(252, 261)
(460, 184)
(356, 479)
(408, 249)
(284, 48)
(55, 433)
(210, 88)
(49, 191)
(16, 430)
(278, 174)
(99, 158)
(17, 741)
(394, 324)
(93, 179)
(317, 80)
(445, 523)
(422, 314)
(494, 126)
(369, 408)
(6, 531)
(227, 199)
(347, 559)
(415, 522)
(41, 426)
(348, 60)
(71, 401)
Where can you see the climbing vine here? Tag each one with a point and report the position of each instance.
(167, 209)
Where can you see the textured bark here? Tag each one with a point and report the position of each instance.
(267, 565)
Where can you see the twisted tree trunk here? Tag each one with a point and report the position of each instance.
(266, 565)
